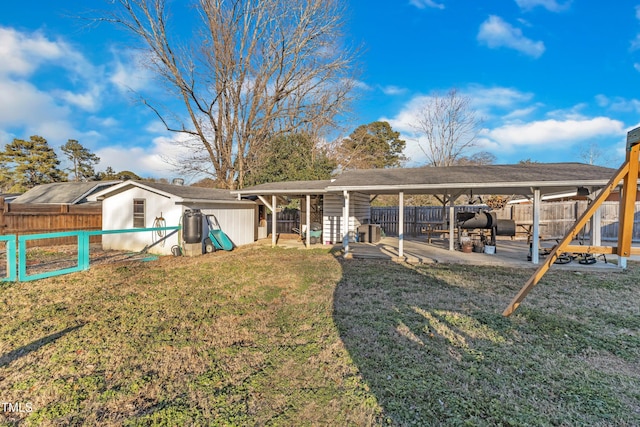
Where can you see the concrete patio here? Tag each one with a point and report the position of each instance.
(509, 253)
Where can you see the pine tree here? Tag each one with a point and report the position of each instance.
(82, 159)
(30, 163)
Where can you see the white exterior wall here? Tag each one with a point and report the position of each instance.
(359, 213)
(117, 213)
(237, 221)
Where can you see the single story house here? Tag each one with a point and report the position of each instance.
(141, 204)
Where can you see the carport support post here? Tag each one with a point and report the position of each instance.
(535, 238)
(308, 235)
(401, 224)
(345, 224)
(273, 221)
(452, 223)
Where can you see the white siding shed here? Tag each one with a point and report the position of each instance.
(136, 204)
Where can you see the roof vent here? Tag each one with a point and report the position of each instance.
(177, 181)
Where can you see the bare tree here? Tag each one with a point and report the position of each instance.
(592, 154)
(449, 128)
(254, 69)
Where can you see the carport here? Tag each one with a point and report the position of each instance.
(269, 194)
(533, 181)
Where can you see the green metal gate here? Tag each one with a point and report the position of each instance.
(17, 268)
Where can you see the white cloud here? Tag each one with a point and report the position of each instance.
(550, 5)
(22, 104)
(619, 104)
(27, 109)
(496, 33)
(88, 101)
(422, 4)
(21, 54)
(156, 127)
(393, 90)
(635, 43)
(103, 122)
(513, 125)
(637, 66)
(551, 132)
(145, 161)
(487, 102)
(602, 100)
(485, 98)
(638, 12)
(520, 113)
(129, 72)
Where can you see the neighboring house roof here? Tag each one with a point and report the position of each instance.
(489, 179)
(180, 193)
(63, 193)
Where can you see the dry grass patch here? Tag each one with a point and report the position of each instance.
(228, 339)
(434, 349)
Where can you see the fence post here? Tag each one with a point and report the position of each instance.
(10, 250)
(83, 250)
(22, 258)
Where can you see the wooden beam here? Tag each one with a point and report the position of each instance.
(266, 203)
(580, 249)
(561, 247)
(627, 202)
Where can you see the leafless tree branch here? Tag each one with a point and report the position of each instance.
(254, 69)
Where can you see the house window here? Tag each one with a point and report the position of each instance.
(138, 213)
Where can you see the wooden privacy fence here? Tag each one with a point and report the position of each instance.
(286, 220)
(22, 219)
(556, 218)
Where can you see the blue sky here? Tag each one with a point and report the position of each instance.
(548, 77)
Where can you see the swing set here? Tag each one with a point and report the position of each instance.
(628, 174)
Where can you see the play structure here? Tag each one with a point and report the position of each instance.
(628, 174)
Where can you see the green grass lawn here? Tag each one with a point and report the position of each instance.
(263, 336)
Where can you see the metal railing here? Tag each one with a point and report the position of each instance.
(18, 271)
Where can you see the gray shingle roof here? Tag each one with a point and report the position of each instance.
(66, 193)
(181, 192)
(521, 173)
(191, 193)
(490, 179)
